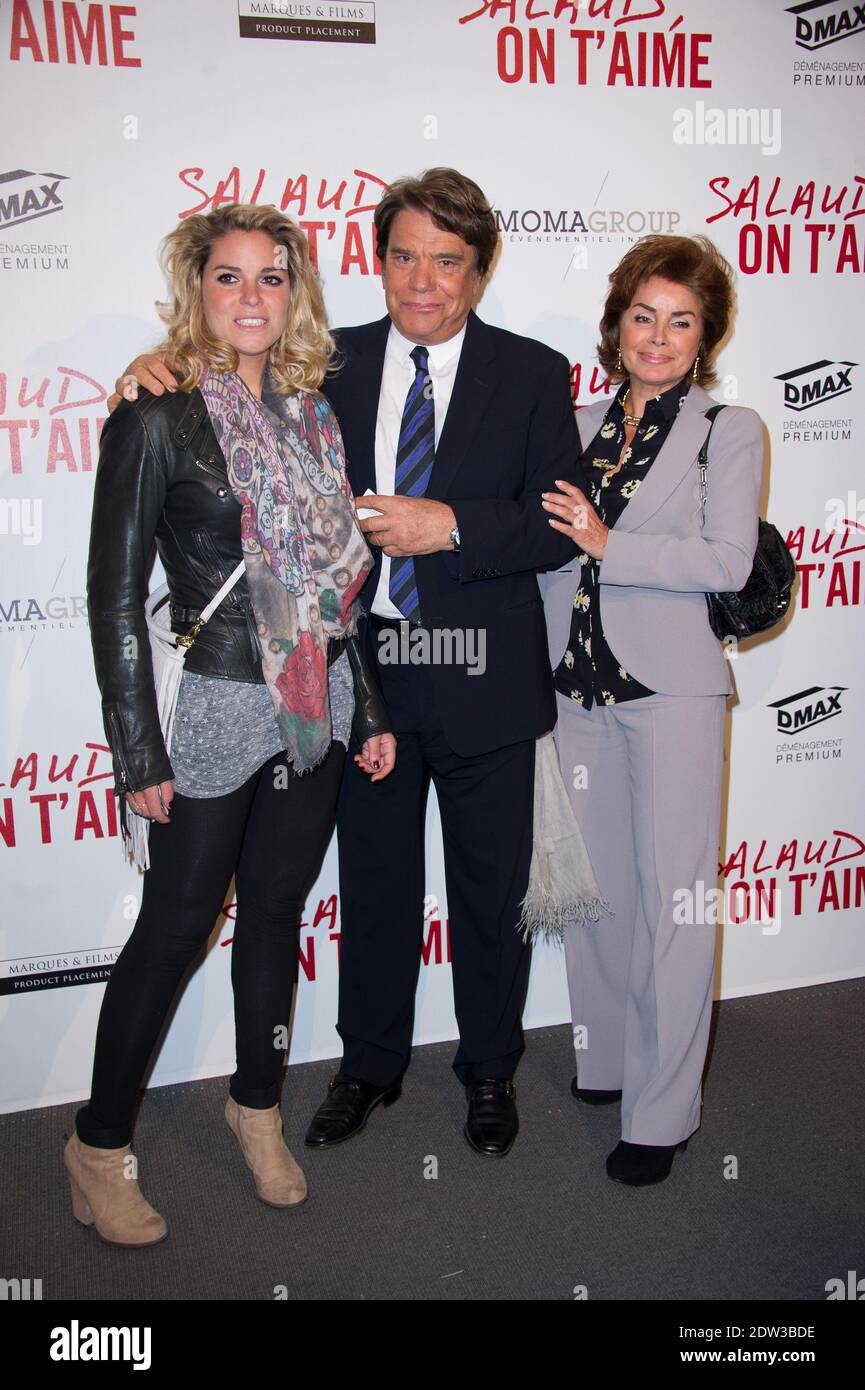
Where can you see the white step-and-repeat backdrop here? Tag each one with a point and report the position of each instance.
(587, 125)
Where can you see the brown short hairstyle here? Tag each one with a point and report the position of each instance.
(454, 202)
(694, 262)
(301, 357)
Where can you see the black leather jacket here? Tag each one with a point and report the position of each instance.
(162, 476)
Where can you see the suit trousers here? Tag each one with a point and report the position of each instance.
(485, 805)
(644, 780)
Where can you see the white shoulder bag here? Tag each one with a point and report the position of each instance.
(168, 654)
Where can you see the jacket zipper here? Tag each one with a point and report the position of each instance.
(208, 466)
(119, 750)
(209, 553)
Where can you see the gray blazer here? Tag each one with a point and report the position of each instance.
(660, 562)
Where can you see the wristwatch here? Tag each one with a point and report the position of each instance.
(455, 539)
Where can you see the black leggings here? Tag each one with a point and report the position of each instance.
(270, 833)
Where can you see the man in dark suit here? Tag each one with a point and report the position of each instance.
(456, 428)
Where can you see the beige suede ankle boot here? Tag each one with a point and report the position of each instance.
(279, 1179)
(104, 1195)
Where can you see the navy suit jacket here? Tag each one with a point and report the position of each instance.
(509, 433)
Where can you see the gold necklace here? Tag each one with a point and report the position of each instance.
(631, 420)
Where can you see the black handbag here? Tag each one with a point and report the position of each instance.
(766, 596)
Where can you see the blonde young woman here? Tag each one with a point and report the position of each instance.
(243, 461)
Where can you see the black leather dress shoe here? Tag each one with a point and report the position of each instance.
(345, 1109)
(492, 1123)
(594, 1097)
(641, 1165)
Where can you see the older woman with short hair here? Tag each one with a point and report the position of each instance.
(642, 684)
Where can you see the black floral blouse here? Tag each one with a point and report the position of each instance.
(589, 672)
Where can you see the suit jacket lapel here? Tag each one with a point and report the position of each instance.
(590, 418)
(677, 454)
(475, 381)
(357, 409)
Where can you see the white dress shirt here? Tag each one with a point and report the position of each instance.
(396, 378)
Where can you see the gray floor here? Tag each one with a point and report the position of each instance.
(783, 1097)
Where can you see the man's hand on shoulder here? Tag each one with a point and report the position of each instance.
(153, 371)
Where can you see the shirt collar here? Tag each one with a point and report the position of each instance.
(440, 354)
(668, 404)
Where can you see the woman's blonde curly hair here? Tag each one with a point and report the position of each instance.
(300, 358)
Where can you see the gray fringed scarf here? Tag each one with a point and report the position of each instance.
(562, 891)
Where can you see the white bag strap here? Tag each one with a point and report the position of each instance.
(207, 613)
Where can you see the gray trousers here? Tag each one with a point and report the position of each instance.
(644, 780)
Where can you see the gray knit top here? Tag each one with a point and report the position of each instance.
(224, 730)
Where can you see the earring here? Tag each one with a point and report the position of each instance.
(695, 368)
(618, 359)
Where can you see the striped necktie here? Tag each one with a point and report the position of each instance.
(414, 460)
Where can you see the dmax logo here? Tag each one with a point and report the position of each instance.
(31, 198)
(809, 707)
(814, 385)
(816, 31)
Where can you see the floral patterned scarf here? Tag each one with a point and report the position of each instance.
(306, 558)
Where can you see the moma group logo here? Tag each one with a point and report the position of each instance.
(816, 384)
(322, 23)
(821, 22)
(807, 708)
(24, 196)
(29, 614)
(549, 225)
